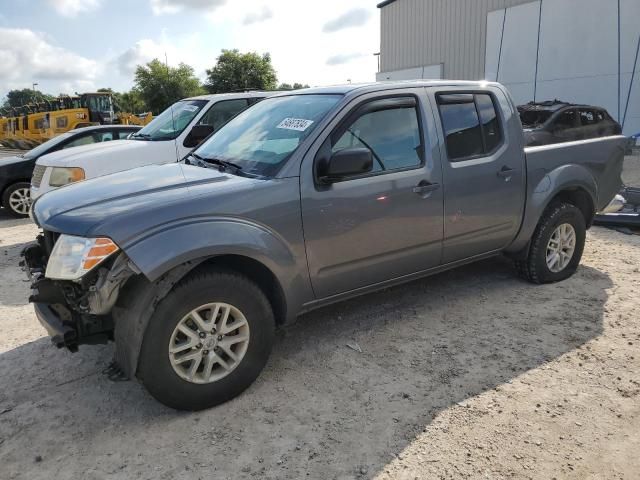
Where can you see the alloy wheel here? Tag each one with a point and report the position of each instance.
(560, 248)
(209, 343)
(20, 201)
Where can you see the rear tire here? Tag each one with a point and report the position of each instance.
(190, 323)
(16, 199)
(556, 246)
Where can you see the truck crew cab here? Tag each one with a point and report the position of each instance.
(304, 199)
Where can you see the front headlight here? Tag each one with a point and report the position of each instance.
(72, 256)
(64, 175)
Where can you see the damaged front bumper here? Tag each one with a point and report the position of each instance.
(62, 334)
(74, 313)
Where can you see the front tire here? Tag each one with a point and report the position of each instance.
(16, 199)
(556, 246)
(207, 341)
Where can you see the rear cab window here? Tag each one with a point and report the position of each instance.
(470, 124)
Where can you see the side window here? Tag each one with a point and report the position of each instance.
(566, 120)
(103, 137)
(587, 117)
(222, 112)
(462, 131)
(122, 134)
(391, 134)
(82, 140)
(600, 116)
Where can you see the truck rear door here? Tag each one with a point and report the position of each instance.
(383, 224)
(483, 171)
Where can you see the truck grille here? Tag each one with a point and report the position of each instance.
(38, 173)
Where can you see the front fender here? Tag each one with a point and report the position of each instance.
(196, 239)
(544, 187)
(167, 246)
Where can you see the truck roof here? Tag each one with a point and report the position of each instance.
(347, 88)
(386, 85)
(231, 96)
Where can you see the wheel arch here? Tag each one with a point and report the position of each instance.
(4, 188)
(570, 183)
(579, 197)
(139, 297)
(10, 183)
(255, 271)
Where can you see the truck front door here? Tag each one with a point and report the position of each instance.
(383, 224)
(483, 170)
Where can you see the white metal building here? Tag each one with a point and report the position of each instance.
(581, 51)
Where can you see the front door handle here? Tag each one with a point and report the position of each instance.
(425, 188)
(506, 173)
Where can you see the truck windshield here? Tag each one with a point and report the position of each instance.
(170, 123)
(262, 138)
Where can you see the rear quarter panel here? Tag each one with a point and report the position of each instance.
(593, 165)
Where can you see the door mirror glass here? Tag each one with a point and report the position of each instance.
(346, 163)
(197, 134)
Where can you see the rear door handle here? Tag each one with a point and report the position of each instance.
(425, 188)
(506, 172)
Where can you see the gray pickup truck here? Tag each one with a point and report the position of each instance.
(304, 199)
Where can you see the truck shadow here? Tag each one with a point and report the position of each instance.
(14, 285)
(348, 386)
(7, 220)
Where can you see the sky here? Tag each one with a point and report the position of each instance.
(68, 46)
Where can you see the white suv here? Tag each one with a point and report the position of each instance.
(168, 138)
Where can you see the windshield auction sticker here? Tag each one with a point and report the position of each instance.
(299, 124)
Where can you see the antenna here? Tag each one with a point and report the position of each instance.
(173, 120)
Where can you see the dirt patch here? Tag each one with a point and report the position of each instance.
(467, 374)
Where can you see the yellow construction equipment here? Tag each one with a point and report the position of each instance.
(30, 125)
(134, 119)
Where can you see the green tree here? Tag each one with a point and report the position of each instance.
(235, 71)
(160, 86)
(295, 86)
(132, 102)
(25, 96)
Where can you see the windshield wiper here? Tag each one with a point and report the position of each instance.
(199, 160)
(223, 164)
(140, 135)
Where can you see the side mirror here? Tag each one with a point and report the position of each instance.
(197, 134)
(346, 163)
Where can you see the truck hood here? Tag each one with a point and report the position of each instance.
(77, 156)
(125, 203)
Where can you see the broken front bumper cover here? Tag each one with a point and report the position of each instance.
(62, 335)
(53, 303)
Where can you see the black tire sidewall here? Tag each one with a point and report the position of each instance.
(559, 214)
(7, 193)
(155, 370)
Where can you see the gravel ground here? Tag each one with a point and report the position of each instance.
(467, 374)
